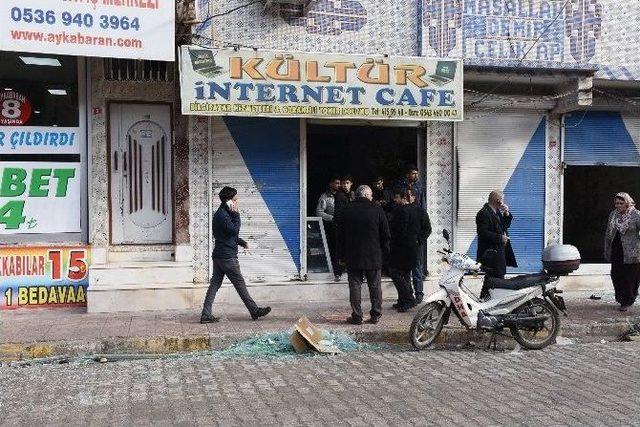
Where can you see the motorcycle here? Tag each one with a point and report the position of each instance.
(528, 305)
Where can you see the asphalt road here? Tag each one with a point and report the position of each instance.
(586, 384)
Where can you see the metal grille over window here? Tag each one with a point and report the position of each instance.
(137, 71)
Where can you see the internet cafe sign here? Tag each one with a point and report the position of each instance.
(138, 29)
(220, 82)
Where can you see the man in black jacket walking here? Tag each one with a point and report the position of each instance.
(493, 222)
(226, 230)
(361, 248)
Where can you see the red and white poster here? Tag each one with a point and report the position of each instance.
(15, 108)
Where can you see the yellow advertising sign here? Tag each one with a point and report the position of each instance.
(43, 277)
(219, 82)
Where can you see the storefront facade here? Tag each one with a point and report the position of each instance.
(86, 146)
(44, 181)
(139, 189)
(281, 165)
(515, 138)
(146, 176)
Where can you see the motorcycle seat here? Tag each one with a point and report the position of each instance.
(518, 282)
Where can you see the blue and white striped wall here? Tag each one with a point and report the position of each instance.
(506, 152)
(260, 157)
(602, 138)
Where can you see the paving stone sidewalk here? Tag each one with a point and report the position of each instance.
(45, 333)
(575, 385)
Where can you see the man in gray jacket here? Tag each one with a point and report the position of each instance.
(326, 210)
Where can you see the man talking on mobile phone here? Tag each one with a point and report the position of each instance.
(226, 232)
(492, 223)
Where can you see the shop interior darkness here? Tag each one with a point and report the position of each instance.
(37, 82)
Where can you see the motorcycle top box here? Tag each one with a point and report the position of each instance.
(560, 260)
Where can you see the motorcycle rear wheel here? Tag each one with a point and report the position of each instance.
(427, 325)
(539, 337)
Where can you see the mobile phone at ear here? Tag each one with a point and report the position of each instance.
(230, 204)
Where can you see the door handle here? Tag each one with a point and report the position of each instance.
(124, 161)
(115, 160)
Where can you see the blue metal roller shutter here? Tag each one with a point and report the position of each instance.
(261, 158)
(601, 138)
(504, 152)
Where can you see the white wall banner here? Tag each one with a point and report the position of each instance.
(39, 197)
(40, 179)
(138, 29)
(221, 82)
(39, 140)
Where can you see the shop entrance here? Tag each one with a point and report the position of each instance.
(588, 200)
(602, 158)
(363, 152)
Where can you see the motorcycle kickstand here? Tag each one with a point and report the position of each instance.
(493, 340)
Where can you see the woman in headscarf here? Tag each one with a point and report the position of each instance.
(622, 249)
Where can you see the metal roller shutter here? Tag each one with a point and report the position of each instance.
(506, 152)
(260, 157)
(601, 138)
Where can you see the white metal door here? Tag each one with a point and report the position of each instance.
(141, 204)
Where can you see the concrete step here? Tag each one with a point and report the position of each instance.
(118, 256)
(140, 274)
(140, 264)
(145, 297)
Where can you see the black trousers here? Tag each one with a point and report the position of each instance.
(402, 282)
(355, 292)
(331, 231)
(484, 293)
(625, 278)
(231, 269)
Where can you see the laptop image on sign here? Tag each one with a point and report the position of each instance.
(445, 72)
(204, 63)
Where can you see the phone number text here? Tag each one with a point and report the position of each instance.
(80, 20)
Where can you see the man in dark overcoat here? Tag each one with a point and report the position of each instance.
(363, 236)
(492, 223)
(410, 227)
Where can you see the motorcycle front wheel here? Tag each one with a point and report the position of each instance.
(539, 336)
(426, 325)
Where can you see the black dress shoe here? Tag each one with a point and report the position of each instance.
(406, 305)
(395, 305)
(352, 321)
(209, 319)
(261, 312)
(405, 308)
(374, 320)
(419, 299)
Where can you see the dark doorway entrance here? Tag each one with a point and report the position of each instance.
(362, 151)
(588, 200)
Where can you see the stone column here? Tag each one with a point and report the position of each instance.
(199, 196)
(440, 190)
(553, 195)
